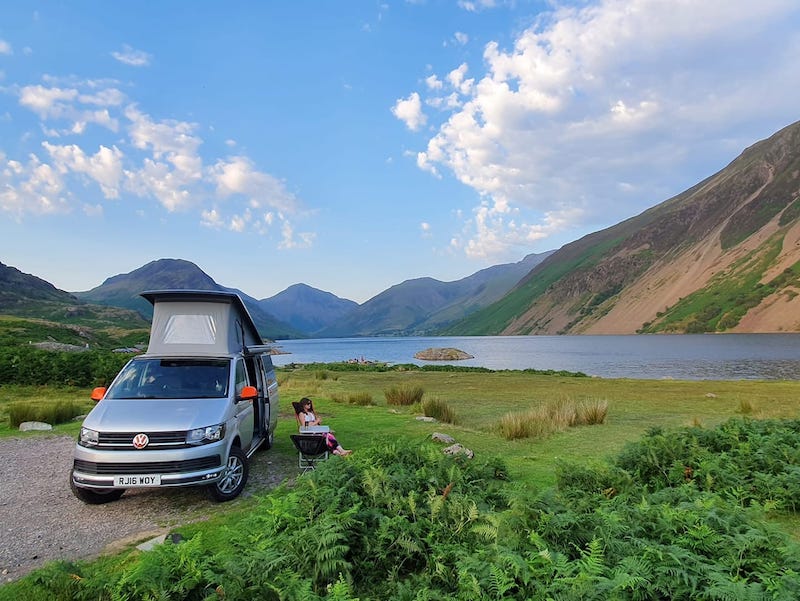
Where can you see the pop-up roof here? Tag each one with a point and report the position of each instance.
(199, 322)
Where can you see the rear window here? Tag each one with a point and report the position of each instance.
(172, 379)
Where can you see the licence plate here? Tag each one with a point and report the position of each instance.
(138, 480)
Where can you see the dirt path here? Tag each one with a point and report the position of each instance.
(41, 521)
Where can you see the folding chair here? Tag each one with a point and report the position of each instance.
(311, 448)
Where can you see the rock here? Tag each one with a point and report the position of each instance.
(711, 395)
(442, 354)
(445, 438)
(28, 426)
(425, 418)
(457, 449)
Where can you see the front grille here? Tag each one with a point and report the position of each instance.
(147, 467)
(158, 440)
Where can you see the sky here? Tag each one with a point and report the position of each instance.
(354, 145)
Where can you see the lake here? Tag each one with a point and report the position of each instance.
(680, 356)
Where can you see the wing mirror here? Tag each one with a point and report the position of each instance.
(249, 393)
(98, 393)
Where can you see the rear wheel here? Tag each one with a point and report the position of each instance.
(233, 480)
(93, 496)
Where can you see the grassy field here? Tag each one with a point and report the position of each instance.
(480, 400)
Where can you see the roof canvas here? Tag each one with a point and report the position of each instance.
(199, 322)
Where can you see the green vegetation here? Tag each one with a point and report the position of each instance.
(674, 516)
(552, 416)
(49, 412)
(28, 365)
(730, 294)
(494, 318)
(404, 394)
(672, 495)
(438, 409)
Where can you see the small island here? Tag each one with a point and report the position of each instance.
(442, 354)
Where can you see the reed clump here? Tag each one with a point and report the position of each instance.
(54, 412)
(439, 410)
(551, 417)
(362, 399)
(404, 395)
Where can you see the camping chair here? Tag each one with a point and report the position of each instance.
(311, 448)
(298, 410)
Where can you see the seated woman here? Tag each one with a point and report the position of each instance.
(307, 417)
(334, 446)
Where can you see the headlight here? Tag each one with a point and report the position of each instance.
(205, 435)
(88, 438)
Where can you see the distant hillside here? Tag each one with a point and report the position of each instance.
(307, 309)
(34, 310)
(723, 256)
(422, 306)
(17, 288)
(124, 291)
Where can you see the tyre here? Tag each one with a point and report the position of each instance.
(233, 480)
(267, 444)
(95, 497)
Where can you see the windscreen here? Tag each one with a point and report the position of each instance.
(172, 379)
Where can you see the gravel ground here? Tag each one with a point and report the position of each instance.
(41, 521)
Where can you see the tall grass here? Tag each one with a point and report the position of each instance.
(551, 417)
(52, 412)
(438, 409)
(403, 394)
(362, 399)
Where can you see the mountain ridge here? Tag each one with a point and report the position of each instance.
(721, 256)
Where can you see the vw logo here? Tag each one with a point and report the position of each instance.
(140, 441)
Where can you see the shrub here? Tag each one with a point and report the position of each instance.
(362, 399)
(745, 407)
(440, 410)
(553, 416)
(403, 395)
(592, 412)
(51, 412)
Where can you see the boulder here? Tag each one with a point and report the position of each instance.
(442, 354)
(28, 426)
(445, 438)
(425, 418)
(458, 449)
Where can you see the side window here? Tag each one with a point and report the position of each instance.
(241, 377)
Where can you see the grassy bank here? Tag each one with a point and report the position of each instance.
(480, 400)
(487, 525)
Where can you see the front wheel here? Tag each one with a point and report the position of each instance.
(95, 497)
(233, 480)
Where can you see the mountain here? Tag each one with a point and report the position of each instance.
(423, 305)
(723, 256)
(307, 309)
(177, 274)
(44, 311)
(17, 288)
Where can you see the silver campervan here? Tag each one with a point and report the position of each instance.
(190, 411)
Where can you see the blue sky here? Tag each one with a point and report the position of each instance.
(354, 145)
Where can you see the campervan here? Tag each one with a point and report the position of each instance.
(190, 411)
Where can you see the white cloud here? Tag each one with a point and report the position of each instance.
(409, 111)
(104, 167)
(434, 83)
(290, 239)
(31, 188)
(237, 176)
(477, 5)
(132, 57)
(461, 37)
(5, 47)
(598, 94)
(69, 104)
